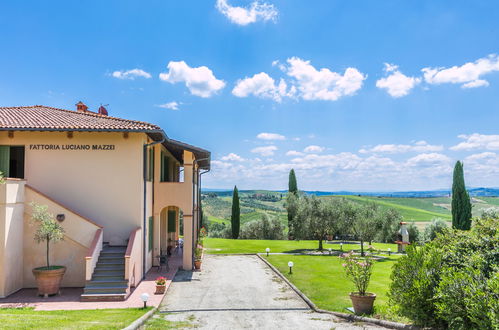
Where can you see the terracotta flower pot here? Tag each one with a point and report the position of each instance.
(160, 289)
(197, 264)
(48, 280)
(362, 304)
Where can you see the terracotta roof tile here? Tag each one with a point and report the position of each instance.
(48, 118)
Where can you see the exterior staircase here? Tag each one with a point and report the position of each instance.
(108, 280)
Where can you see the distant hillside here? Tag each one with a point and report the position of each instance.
(475, 192)
(420, 207)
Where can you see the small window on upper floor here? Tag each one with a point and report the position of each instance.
(12, 161)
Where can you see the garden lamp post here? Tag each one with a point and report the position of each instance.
(341, 246)
(389, 251)
(330, 250)
(144, 297)
(290, 265)
(267, 250)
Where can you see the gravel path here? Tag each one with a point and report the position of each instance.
(241, 292)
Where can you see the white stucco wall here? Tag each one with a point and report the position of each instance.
(102, 185)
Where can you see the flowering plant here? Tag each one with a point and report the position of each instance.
(161, 280)
(203, 232)
(359, 270)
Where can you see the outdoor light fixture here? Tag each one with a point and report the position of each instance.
(389, 251)
(267, 250)
(330, 250)
(341, 246)
(145, 298)
(290, 265)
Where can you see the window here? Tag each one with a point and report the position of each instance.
(12, 161)
(172, 215)
(151, 232)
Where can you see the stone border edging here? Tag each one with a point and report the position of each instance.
(349, 317)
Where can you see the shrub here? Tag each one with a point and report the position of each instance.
(414, 281)
(436, 227)
(414, 235)
(263, 228)
(219, 230)
(451, 281)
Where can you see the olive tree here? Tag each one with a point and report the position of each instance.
(363, 221)
(315, 217)
(47, 228)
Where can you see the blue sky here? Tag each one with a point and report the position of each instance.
(355, 95)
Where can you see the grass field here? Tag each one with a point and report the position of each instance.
(227, 246)
(412, 209)
(27, 318)
(323, 280)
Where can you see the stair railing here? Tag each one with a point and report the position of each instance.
(133, 258)
(93, 254)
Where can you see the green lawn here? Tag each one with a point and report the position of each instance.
(323, 280)
(223, 246)
(27, 318)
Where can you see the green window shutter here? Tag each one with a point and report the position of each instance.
(171, 221)
(5, 160)
(151, 232)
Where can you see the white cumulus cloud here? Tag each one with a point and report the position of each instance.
(294, 153)
(314, 149)
(396, 83)
(323, 84)
(200, 81)
(263, 86)
(256, 11)
(270, 136)
(170, 105)
(468, 74)
(429, 159)
(232, 157)
(477, 141)
(265, 151)
(131, 74)
(419, 146)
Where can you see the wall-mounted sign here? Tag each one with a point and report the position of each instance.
(72, 147)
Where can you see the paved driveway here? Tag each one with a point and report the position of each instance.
(241, 292)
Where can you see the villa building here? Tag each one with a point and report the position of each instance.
(120, 188)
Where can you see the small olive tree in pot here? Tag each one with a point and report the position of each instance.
(48, 278)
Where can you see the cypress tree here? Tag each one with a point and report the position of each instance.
(292, 185)
(235, 218)
(292, 189)
(461, 204)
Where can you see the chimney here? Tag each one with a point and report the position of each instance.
(102, 111)
(81, 107)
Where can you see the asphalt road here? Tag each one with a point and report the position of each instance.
(241, 292)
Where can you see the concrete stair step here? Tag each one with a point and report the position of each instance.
(111, 263)
(109, 269)
(106, 283)
(109, 272)
(103, 297)
(117, 289)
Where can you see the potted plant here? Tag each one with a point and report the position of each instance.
(48, 278)
(359, 270)
(198, 254)
(160, 285)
